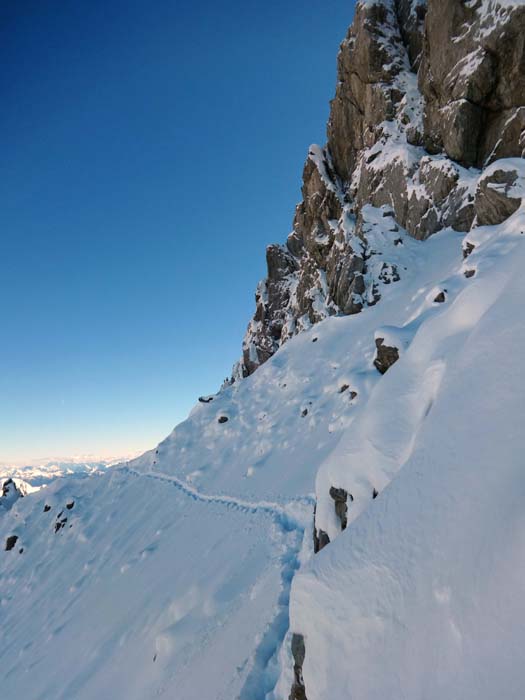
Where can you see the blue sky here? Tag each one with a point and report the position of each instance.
(150, 152)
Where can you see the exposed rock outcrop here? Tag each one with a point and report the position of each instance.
(340, 496)
(298, 691)
(321, 539)
(495, 201)
(386, 355)
(408, 123)
(475, 89)
(11, 491)
(10, 542)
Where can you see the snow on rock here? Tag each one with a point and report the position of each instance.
(11, 490)
(500, 190)
(410, 127)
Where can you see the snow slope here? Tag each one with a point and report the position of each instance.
(145, 591)
(421, 597)
(175, 574)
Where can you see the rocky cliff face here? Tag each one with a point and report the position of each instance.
(428, 92)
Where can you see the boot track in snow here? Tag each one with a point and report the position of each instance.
(264, 673)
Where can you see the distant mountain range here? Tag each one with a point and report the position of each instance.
(47, 470)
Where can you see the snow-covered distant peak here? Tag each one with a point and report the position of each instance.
(41, 472)
(13, 489)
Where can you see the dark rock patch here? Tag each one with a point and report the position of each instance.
(10, 542)
(470, 273)
(304, 413)
(467, 249)
(386, 356)
(47, 508)
(375, 493)
(202, 399)
(440, 299)
(60, 524)
(344, 388)
(70, 505)
(298, 691)
(321, 539)
(340, 496)
(5, 487)
(223, 419)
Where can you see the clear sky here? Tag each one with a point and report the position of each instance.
(150, 151)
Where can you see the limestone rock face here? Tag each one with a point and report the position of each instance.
(429, 93)
(370, 58)
(474, 88)
(495, 200)
(411, 16)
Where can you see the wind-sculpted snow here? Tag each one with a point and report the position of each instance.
(421, 595)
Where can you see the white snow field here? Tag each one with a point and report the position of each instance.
(145, 591)
(422, 596)
(177, 574)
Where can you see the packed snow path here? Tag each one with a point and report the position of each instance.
(294, 517)
(277, 509)
(193, 581)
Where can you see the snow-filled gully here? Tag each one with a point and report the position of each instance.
(293, 518)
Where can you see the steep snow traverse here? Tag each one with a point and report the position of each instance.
(344, 518)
